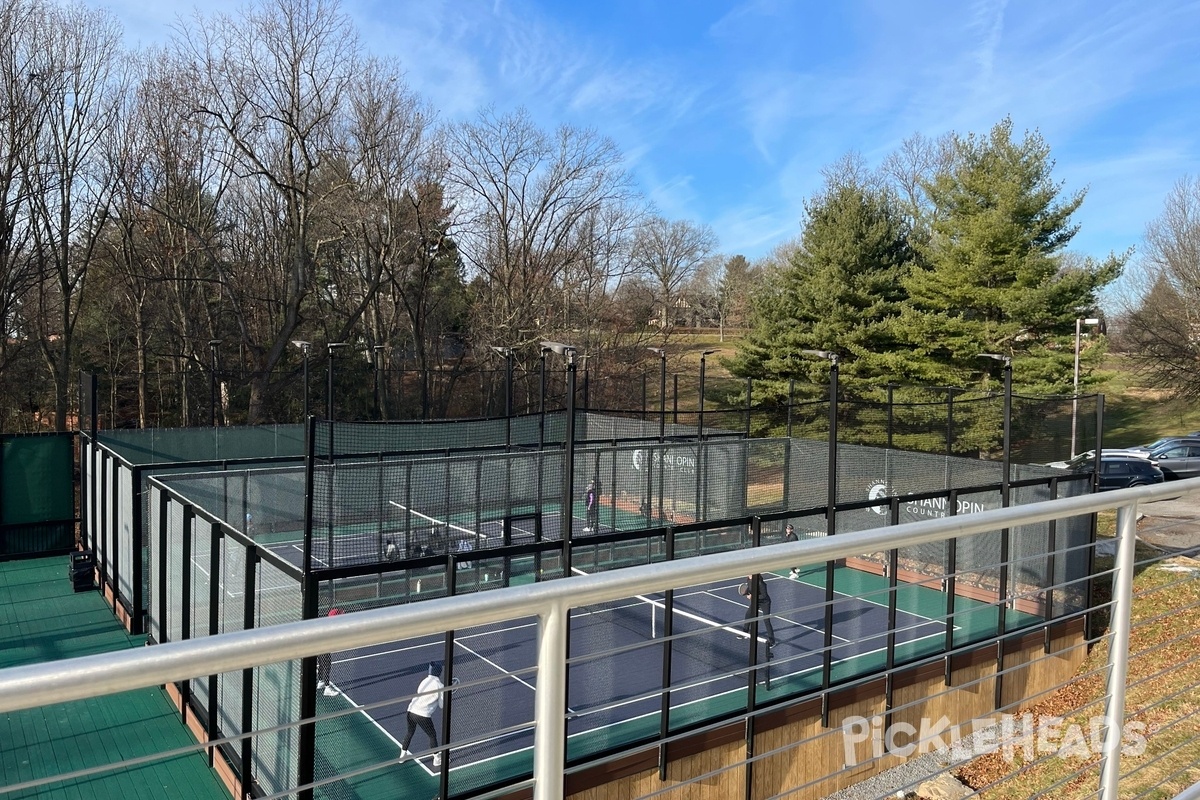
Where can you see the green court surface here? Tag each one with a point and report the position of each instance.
(43, 619)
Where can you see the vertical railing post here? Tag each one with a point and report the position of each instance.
(1118, 651)
(749, 404)
(675, 399)
(644, 396)
(550, 704)
(790, 402)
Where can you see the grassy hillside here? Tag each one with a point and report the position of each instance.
(1134, 413)
(687, 347)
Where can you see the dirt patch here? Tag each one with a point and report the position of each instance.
(1148, 394)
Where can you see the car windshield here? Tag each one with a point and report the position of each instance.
(1174, 448)
(1081, 460)
(1157, 443)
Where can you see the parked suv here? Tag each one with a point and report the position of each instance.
(1179, 458)
(1083, 461)
(1119, 471)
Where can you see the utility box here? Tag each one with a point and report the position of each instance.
(82, 570)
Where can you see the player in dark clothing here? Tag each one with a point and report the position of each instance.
(592, 501)
(789, 535)
(766, 629)
(325, 666)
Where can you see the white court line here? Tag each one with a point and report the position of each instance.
(658, 693)
(779, 617)
(583, 714)
(448, 744)
(923, 619)
(436, 521)
(314, 558)
(689, 702)
(703, 620)
(501, 669)
(383, 730)
(235, 595)
(863, 599)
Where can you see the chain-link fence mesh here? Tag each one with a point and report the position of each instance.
(672, 660)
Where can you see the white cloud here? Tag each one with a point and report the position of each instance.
(729, 118)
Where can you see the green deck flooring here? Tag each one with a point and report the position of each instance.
(43, 619)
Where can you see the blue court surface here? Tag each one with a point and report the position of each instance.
(412, 536)
(617, 672)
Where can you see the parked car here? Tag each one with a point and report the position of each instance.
(1082, 461)
(1178, 459)
(1157, 444)
(1119, 469)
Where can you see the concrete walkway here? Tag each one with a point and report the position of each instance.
(1172, 525)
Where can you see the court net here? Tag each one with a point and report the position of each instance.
(640, 608)
(422, 534)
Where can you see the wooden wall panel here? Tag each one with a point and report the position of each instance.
(806, 754)
(715, 774)
(1030, 672)
(792, 749)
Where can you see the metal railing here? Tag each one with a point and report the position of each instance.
(551, 602)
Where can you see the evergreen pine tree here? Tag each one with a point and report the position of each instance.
(838, 292)
(993, 277)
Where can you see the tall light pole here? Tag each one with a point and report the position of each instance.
(1007, 362)
(567, 352)
(1002, 594)
(662, 391)
(701, 466)
(700, 426)
(891, 389)
(304, 348)
(1079, 323)
(329, 375)
(587, 385)
(375, 369)
(830, 511)
(213, 345)
(542, 399)
(507, 352)
(831, 497)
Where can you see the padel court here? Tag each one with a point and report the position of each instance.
(381, 534)
(618, 671)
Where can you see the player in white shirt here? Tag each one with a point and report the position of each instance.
(421, 708)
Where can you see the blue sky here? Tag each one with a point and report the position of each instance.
(727, 112)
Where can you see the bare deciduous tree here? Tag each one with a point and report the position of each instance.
(909, 168)
(670, 253)
(18, 262)
(398, 258)
(76, 76)
(527, 202)
(1162, 331)
(274, 83)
